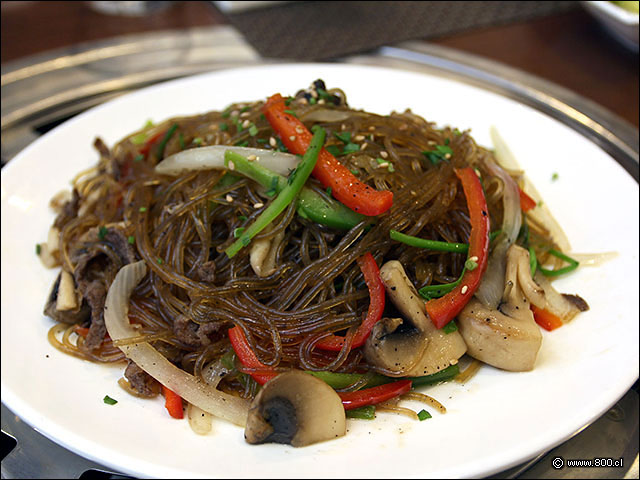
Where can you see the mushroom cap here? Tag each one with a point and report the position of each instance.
(295, 408)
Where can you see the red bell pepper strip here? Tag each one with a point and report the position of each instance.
(374, 395)
(345, 187)
(172, 402)
(248, 357)
(526, 202)
(545, 318)
(442, 310)
(150, 142)
(372, 278)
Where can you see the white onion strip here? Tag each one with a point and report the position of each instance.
(193, 390)
(212, 157)
(199, 420)
(492, 286)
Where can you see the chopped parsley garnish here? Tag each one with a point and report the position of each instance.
(102, 232)
(423, 415)
(439, 154)
(109, 401)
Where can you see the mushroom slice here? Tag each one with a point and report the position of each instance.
(295, 408)
(59, 297)
(263, 254)
(508, 337)
(562, 305)
(414, 346)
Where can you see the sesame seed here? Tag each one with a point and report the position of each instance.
(229, 198)
(384, 154)
(431, 142)
(363, 146)
(245, 114)
(232, 166)
(314, 94)
(343, 127)
(447, 156)
(246, 124)
(299, 129)
(372, 128)
(473, 259)
(252, 158)
(413, 193)
(464, 290)
(235, 113)
(272, 142)
(383, 165)
(303, 101)
(258, 205)
(292, 138)
(321, 101)
(359, 138)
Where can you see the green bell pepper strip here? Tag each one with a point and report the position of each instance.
(434, 244)
(311, 204)
(295, 182)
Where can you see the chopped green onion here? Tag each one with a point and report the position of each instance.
(322, 93)
(223, 126)
(242, 218)
(253, 130)
(181, 141)
(429, 244)
(391, 169)
(237, 232)
(131, 239)
(450, 327)
(344, 137)
(312, 101)
(555, 176)
(350, 148)
(138, 158)
(297, 180)
(435, 291)
(291, 112)
(109, 401)
(439, 154)
(340, 381)
(288, 101)
(533, 261)
(368, 412)
(102, 232)
(38, 249)
(328, 190)
(355, 172)
(242, 143)
(333, 150)
(142, 209)
(167, 137)
(423, 415)
(573, 264)
(470, 265)
(226, 112)
(197, 141)
(159, 260)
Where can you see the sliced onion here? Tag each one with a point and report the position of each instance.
(556, 303)
(212, 157)
(593, 259)
(541, 213)
(326, 115)
(199, 420)
(492, 286)
(197, 392)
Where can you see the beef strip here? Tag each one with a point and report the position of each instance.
(141, 381)
(94, 273)
(192, 334)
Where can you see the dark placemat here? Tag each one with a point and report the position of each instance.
(325, 30)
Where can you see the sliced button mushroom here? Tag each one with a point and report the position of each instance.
(562, 305)
(508, 337)
(263, 254)
(295, 408)
(411, 346)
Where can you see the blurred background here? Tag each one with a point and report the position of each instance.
(60, 58)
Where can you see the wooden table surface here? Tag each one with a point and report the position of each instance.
(570, 49)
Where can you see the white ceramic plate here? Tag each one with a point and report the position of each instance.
(495, 421)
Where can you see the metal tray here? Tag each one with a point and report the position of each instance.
(43, 91)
